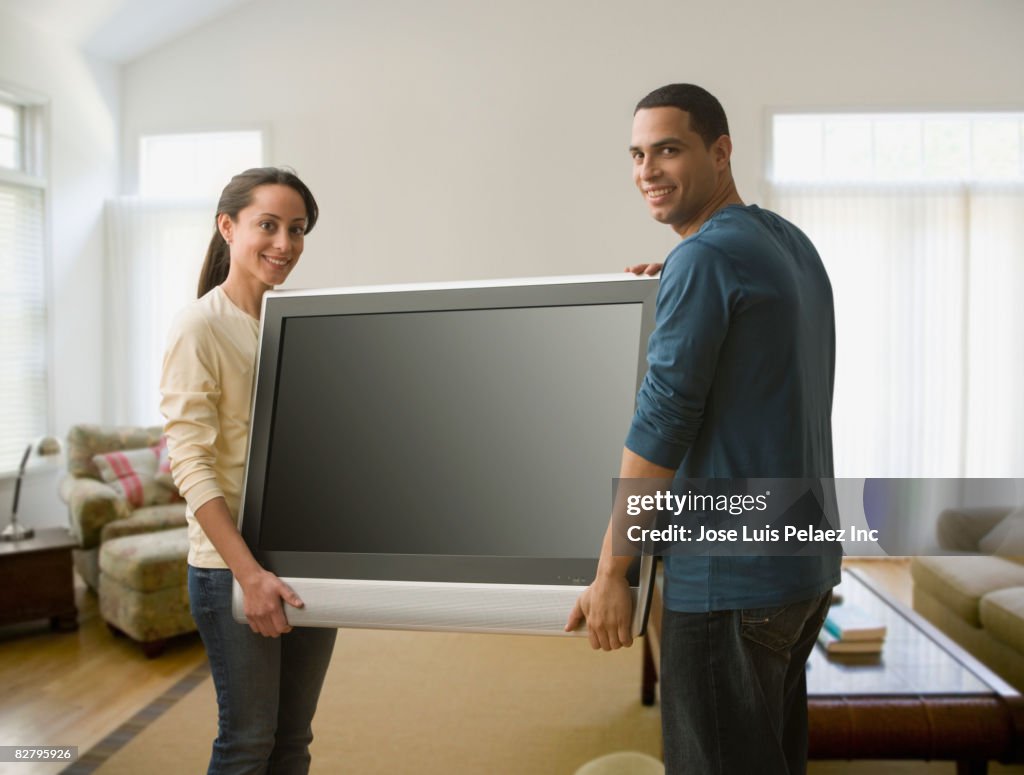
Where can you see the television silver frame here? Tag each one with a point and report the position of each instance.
(415, 599)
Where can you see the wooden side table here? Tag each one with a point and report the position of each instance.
(36, 581)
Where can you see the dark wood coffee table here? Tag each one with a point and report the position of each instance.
(36, 581)
(926, 698)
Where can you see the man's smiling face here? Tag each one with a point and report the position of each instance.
(676, 173)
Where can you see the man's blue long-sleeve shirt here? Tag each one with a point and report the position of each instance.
(739, 384)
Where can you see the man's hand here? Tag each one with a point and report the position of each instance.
(607, 608)
(607, 605)
(263, 594)
(644, 269)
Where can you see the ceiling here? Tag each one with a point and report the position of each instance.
(118, 30)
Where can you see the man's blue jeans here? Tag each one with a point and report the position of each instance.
(734, 688)
(267, 688)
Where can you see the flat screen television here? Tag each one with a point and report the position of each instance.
(442, 456)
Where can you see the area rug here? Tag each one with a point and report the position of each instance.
(437, 703)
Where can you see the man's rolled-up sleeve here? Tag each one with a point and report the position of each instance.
(691, 323)
(190, 392)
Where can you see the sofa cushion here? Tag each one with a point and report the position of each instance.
(149, 561)
(961, 529)
(1007, 537)
(961, 582)
(133, 474)
(1002, 616)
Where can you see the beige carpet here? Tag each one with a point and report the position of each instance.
(433, 703)
(454, 704)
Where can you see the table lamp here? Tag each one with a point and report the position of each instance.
(45, 447)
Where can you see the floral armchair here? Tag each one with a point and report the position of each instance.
(102, 506)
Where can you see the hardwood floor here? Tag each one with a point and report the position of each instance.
(75, 688)
(892, 573)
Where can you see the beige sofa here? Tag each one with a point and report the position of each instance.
(978, 599)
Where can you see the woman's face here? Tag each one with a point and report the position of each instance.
(267, 237)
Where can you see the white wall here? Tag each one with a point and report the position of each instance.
(83, 159)
(456, 139)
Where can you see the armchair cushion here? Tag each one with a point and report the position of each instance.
(93, 505)
(148, 562)
(85, 441)
(149, 519)
(133, 474)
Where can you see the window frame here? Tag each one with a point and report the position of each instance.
(34, 169)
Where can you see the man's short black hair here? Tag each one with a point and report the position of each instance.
(707, 117)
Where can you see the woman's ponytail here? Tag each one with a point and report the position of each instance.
(215, 267)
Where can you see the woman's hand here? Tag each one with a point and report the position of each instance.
(262, 591)
(264, 595)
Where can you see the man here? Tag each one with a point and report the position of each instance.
(739, 384)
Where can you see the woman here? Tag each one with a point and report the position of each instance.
(267, 676)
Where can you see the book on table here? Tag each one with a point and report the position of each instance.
(833, 645)
(849, 623)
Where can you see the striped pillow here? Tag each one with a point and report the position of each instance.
(133, 473)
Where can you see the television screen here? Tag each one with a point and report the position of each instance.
(442, 447)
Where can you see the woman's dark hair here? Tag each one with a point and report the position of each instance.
(707, 118)
(236, 196)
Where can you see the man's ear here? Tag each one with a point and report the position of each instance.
(226, 227)
(721, 151)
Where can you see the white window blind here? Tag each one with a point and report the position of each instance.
(156, 243)
(918, 219)
(23, 378)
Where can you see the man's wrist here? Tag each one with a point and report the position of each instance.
(613, 568)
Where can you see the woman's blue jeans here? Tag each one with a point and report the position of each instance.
(734, 688)
(267, 688)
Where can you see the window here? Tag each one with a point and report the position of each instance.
(917, 217)
(10, 136)
(24, 389)
(156, 245)
(195, 165)
(898, 147)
